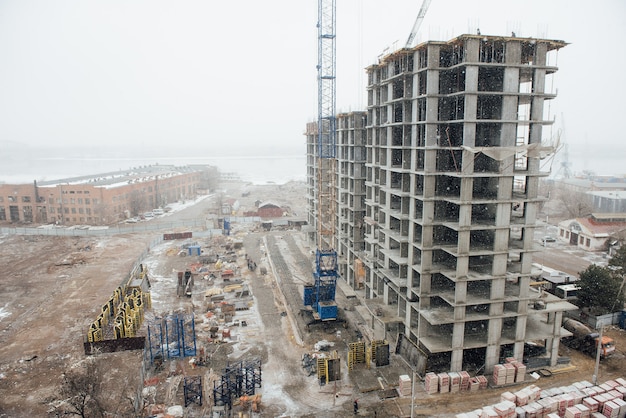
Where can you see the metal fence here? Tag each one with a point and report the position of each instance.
(91, 231)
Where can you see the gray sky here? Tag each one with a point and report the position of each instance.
(162, 73)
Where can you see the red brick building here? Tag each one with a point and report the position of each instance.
(270, 210)
(103, 199)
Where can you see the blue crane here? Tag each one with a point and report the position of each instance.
(321, 296)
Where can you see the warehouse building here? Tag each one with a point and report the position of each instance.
(105, 198)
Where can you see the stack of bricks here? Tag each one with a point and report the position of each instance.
(611, 410)
(452, 382)
(474, 384)
(404, 385)
(444, 382)
(482, 382)
(499, 375)
(455, 382)
(520, 371)
(465, 380)
(431, 383)
(510, 373)
(578, 400)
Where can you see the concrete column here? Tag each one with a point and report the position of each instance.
(460, 297)
(520, 327)
(456, 361)
(524, 287)
(462, 267)
(425, 286)
(494, 330)
(463, 245)
(492, 357)
(458, 335)
(518, 350)
(499, 269)
(471, 84)
(552, 344)
(472, 47)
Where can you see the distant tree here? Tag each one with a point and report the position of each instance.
(618, 261)
(600, 290)
(137, 202)
(576, 204)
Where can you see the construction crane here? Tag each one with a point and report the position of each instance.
(418, 23)
(321, 296)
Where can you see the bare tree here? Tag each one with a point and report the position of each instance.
(137, 202)
(81, 391)
(576, 204)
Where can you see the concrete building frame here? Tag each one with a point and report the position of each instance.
(453, 143)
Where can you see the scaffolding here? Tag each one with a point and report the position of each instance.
(193, 390)
(171, 337)
(237, 380)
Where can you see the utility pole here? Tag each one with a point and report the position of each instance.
(598, 348)
(412, 392)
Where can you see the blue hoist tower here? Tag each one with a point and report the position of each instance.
(321, 296)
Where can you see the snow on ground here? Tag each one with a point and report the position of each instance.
(4, 312)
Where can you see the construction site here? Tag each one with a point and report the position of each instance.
(408, 291)
(211, 324)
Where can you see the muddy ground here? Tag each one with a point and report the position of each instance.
(52, 288)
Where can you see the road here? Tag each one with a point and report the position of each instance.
(564, 257)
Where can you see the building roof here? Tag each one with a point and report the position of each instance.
(124, 177)
(552, 44)
(596, 183)
(595, 228)
(609, 194)
(269, 205)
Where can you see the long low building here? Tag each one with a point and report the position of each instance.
(103, 199)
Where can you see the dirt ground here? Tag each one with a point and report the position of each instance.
(53, 287)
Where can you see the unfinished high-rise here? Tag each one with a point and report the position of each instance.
(448, 190)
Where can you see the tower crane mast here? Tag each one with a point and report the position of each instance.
(321, 296)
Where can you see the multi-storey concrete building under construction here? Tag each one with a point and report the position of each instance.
(435, 221)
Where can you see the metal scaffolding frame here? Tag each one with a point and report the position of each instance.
(237, 380)
(193, 390)
(172, 337)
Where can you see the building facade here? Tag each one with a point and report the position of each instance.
(102, 199)
(453, 141)
(593, 233)
(350, 185)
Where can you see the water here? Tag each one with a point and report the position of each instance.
(277, 169)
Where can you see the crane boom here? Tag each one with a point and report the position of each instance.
(418, 23)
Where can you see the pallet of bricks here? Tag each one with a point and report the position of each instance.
(579, 400)
(404, 385)
(453, 382)
(431, 383)
(512, 371)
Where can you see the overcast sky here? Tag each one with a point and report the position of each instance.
(164, 73)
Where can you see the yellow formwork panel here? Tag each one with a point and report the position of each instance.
(124, 311)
